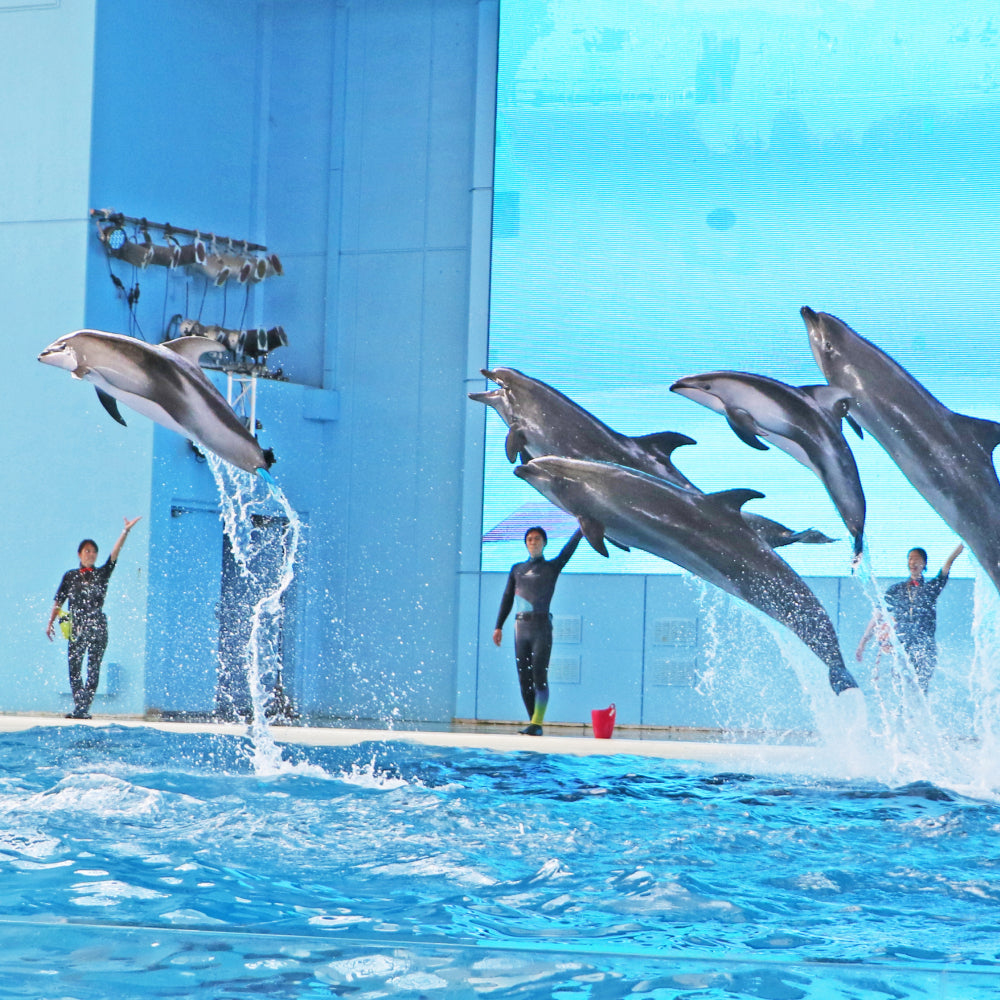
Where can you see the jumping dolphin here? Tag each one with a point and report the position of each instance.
(702, 533)
(945, 455)
(805, 422)
(542, 421)
(162, 382)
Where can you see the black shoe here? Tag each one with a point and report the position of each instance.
(532, 729)
(78, 714)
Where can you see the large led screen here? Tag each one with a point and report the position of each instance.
(674, 181)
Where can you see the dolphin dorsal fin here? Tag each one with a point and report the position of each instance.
(663, 443)
(829, 397)
(837, 401)
(985, 432)
(733, 500)
(193, 348)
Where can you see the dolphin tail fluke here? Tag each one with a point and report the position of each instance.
(111, 405)
(841, 679)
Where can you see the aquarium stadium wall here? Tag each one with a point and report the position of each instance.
(355, 140)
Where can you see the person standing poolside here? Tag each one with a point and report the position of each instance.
(85, 588)
(912, 604)
(532, 584)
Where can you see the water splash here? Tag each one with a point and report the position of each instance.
(908, 728)
(241, 496)
(984, 686)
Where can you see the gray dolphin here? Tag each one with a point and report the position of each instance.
(947, 456)
(543, 421)
(702, 533)
(162, 382)
(804, 422)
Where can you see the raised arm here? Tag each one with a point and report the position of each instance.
(568, 549)
(946, 568)
(129, 525)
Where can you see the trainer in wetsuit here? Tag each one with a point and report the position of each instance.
(85, 588)
(532, 584)
(912, 604)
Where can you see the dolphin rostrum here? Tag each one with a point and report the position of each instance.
(702, 533)
(543, 421)
(946, 456)
(163, 382)
(805, 422)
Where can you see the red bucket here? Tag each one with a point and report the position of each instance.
(603, 721)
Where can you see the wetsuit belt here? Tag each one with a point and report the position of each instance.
(532, 615)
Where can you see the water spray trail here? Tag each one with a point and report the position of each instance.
(984, 689)
(240, 497)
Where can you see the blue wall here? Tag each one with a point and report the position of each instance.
(337, 135)
(340, 136)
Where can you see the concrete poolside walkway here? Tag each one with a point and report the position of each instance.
(722, 752)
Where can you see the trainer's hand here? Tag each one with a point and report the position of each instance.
(497, 636)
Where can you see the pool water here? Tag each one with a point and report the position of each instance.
(142, 863)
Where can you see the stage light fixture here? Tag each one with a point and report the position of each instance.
(115, 238)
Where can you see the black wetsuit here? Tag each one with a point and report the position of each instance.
(85, 589)
(533, 582)
(914, 608)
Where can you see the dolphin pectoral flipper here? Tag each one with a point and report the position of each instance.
(515, 445)
(111, 405)
(745, 428)
(593, 531)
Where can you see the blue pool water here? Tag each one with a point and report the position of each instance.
(138, 863)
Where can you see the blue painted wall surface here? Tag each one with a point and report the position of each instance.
(339, 136)
(64, 479)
